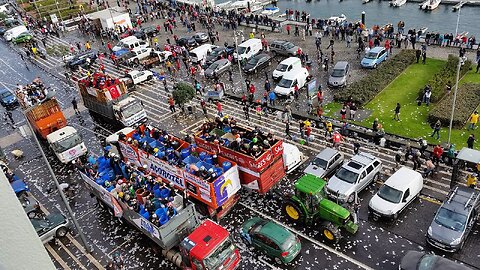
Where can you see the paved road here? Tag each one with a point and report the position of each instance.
(377, 245)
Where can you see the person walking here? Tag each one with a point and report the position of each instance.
(437, 154)
(436, 129)
(470, 141)
(424, 57)
(418, 53)
(171, 102)
(287, 130)
(8, 114)
(353, 110)
(416, 160)
(397, 112)
(203, 105)
(246, 112)
(328, 129)
(219, 109)
(271, 97)
(473, 120)
(75, 105)
(343, 112)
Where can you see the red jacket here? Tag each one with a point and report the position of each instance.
(438, 151)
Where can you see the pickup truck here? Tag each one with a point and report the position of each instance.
(155, 57)
(135, 77)
(137, 54)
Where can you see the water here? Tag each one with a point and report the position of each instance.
(443, 19)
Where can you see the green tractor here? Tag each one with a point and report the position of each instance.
(310, 204)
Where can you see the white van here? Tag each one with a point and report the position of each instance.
(286, 86)
(14, 32)
(67, 144)
(396, 194)
(248, 49)
(292, 157)
(130, 43)
(285, 66)
(198, 54)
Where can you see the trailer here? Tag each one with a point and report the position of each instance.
(185, 240)
(108, 98)
(259, 173)
(214, 197)
(45, 117)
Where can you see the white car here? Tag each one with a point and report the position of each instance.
(396, 194)
(139, 76)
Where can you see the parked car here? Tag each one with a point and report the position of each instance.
(50, 227)
(355, 175)
(396, 194)
(454, 220)
(218, 68)
(201, 38)
(416, 260)
(137, 54)
(325, 163)
(81, 59)
(188, 42)
(22, 38)
(283, 47)
(374, 57)
(139, 76)
(257, 62)
(285, 66)
(218, 53)
(146, 32)
(271, 238)
(339, 75)
(7, 98)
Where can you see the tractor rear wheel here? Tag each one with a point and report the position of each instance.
(293, 212)
(331, 233)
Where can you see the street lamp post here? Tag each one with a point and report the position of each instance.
(55, 180)
(235, 33)
(460, 62)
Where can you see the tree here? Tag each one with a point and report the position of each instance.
(183, 93)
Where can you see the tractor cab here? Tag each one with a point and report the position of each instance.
(310, 205)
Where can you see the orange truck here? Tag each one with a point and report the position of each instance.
(45, 117)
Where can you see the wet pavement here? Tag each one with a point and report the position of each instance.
(377, 245)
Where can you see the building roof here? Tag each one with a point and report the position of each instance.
(106, 13)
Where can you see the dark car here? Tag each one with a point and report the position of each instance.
(454, 220)
(82, 59)
(51, 226)
(217, 68)
(257, 62)
(188, 42)
(201, 38)
(415, 260)
(146, 32)
(8, 99)
(219, 53)
(283, 47)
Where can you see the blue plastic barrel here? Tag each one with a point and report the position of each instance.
(185, 153)
(218, 171)
(146, 215)
(164, 193)
(100, 181)
(226, 165)
(202, 155)
(163, 219)
(157, 193)
(161, 212)
(209, 159)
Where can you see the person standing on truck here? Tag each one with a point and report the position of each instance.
(75, 105)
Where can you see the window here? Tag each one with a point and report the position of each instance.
(369, 169)
(290, 68)
(376, 163)
(364, 173)
(406, 194)
(295, 82)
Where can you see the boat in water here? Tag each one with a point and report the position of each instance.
(365, 1)
(338, 19)
(397, 3)
(270, 10)
(430, 4)
(459, 6)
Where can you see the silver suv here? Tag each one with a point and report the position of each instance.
(354, 175)
(283, 47)
(454, 219)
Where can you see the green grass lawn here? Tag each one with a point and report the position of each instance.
(404, 89)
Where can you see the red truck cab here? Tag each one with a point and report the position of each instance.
(209, 247)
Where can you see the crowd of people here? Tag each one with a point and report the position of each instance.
(32, 93)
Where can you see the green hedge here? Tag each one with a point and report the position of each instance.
(447, 74)
(468, 99)
(367, 88)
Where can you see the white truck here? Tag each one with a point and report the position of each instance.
(135, 77)
(297, 77)
(137, 54)
(67, 144)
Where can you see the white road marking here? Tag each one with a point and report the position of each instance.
(57, 257)
(71, 254)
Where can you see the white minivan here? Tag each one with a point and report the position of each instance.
(14, 32)
(396, 194)
(248, 49)
(296, 77)
(285, 66)
(130, 43)
(198, 54)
